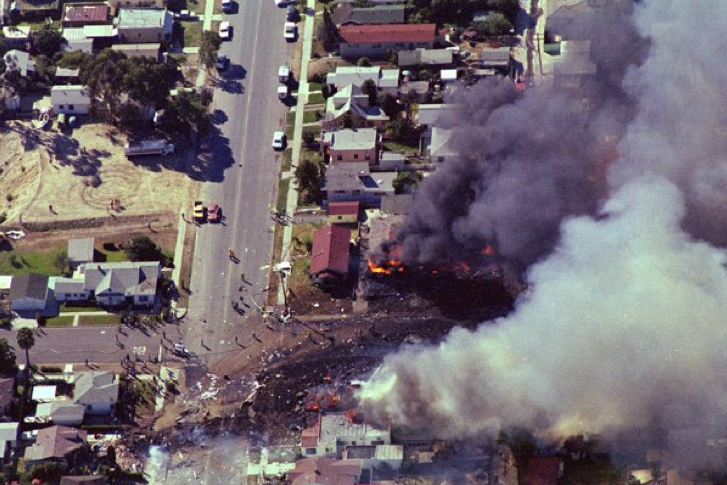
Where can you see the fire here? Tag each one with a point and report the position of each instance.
(387, 267)
(488, 251)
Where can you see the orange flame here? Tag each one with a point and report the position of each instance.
(387, 267)
(488, 251)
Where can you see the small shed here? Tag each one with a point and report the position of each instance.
(343, 212)
(80, 251)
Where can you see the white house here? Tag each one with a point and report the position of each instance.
(336, 431)
(60, 412)
(96, 391)
(354, 181)
(8, 438)
(71, 100)
(145, 25)
(28, 292)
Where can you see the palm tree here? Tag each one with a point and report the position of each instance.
(26, 341)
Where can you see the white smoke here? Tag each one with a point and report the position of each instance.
(625, 321)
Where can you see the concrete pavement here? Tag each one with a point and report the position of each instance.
(292, 198)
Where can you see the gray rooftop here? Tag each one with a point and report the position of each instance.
(141, 18)
(29, 285)
(347, 139)
(338, 425)
(55, 442)
(80, 250)
(61, 409)
(96, 387)
(65, 72)
(68, 285)
(8, 433)
(346, 176)
(379, 14)
(429, 57)
(396, 203)
(125, 278)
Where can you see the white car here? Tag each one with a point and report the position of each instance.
(284, 74)
(283, 92)
(278, 140)
(227, 6)
(281, 3)
(225, 30)
(291, 31)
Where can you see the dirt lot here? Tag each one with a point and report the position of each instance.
(79, 174)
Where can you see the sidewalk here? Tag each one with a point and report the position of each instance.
(292, 201)
(209, 8)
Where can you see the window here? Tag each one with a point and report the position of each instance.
(143, 298)
(61, 106)
(310, 451)
(355, 156)
(339, 157)
(70, 107)
(368, 156)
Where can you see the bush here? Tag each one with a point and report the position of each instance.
(49, 369)
(3, 217)
(364, 62)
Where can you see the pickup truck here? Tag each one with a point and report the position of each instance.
(199, 211)
(148, 147)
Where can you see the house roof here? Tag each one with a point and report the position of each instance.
(57, 410)
(329, 471)
(93, 31)
(44, 393)
(85, 480)
(17, 32)
(8, 434)
(544, 470)
(440, 145)
(7, 386)
(74, 33)
(21, 60)
(356, 75)
(387, 33)
(125, 278)
(346, 176)
(85, 12)
(429, 114)
(336, 425)
(141, 18)
(29, 285)
(68, 285)
(80, 250)
(71, 94)
(96, 387)
(343, 208)
(330, 250)
(352, 139)
(495, 56)
(428, 57)
(55, 442)
(379, 14)
(66, 72)
(389, 452)
(138, 50)
(396, 203)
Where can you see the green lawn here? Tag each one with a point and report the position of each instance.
(113, 256)
(23, 261)
(66, 308)
(286, 161)
(311, 116)
(314, 87)
(316, 98)
(61, 321)
(290, 118)
(283, 188)
(398, 147)
(110, 319)
(192, 31)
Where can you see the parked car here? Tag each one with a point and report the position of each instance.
(186, 15)
(282, 3)
(214, 214)
(199, 211)
(292, 14)
(225, 30)
(227, 6)
(290, 31)
(283, 92)
(222, 62)
(284, 74)
(279, 140)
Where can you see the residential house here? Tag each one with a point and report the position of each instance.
(343, 212)
(17, 36)
(396, 204)
(65, 75)
(29, 292)
(544, 470)
(19, 61)
(335, 431)
(76, 40)
(330, 255)
(413, 91)
(80, 251)
(384, 79)
(84, 480)
(349, 14)
(8, 439)
(426, 57)
(97, 391)
(111, 284)
(80, 14)
(144, 25)
(357, 145)
(498, 58)
(441, 148)
(392, 161)
(59, 444)
(352, 104)
(60, 412)
(314, 471)
(70, 100)
(391, 456)
(354, 182)
(376, 41)
(139, 50)
(43, 393)
(117, 4)
(429, 115)
(7, 391)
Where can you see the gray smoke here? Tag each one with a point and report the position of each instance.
(625, 319)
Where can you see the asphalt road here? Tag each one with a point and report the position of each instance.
(241, 176)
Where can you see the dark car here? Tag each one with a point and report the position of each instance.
(292, 14)
(222, 63)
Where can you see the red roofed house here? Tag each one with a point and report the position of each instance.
(329, 258)
(544, 470)
(329, 471)
(79, 14)
(343, 212)
(378, 40)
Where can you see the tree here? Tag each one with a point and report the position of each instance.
(8, 365)
(509, 8)
(390, 105)
(47, 41)
(111, 455)
(494, 24)
(403, 131)
(369, 87)
(141, 248)
(104, 76)
(309, 177)
(26, 341)
(61, 261)
(185, 112)
(147, 80)
(405, 182)
(327, 31)
(327, 90)
(363, 62)
(208, 48)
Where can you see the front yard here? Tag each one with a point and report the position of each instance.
(20, 261)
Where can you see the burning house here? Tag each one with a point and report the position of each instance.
(334, 432)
